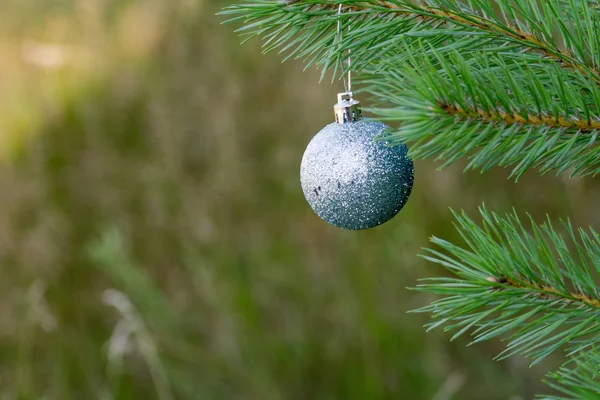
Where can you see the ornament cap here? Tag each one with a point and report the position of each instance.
(347, 108)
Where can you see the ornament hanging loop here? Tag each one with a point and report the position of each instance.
(348, 81)
(347, 109)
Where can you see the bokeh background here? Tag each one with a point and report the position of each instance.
(155, 243)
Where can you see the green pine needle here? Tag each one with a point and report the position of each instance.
(579, 379)
(536, 288)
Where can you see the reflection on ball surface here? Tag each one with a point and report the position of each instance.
(352, 181)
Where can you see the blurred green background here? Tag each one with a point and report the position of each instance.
(155, 242)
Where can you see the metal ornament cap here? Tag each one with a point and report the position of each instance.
(347, 109)
(353, 181)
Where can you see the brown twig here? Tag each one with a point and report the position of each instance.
(510, 117)
(547, 290)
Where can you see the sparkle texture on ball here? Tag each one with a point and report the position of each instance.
(353, 181)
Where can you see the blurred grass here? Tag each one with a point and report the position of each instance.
(155, 242)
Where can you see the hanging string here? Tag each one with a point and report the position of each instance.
(347, 81)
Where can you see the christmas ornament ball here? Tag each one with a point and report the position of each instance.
(353, 181)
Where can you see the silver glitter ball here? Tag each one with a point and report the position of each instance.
(353, 181)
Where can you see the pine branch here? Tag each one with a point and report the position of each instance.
(537, 32)
(307, 29)
(579, 379)
(497, 111)
(536, 288)
(511, 118)
(538, 36)
(519, 98)
(547, 291)
(290, 26)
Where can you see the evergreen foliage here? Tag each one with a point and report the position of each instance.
(512, 83)
(532, 285)
(538, 106)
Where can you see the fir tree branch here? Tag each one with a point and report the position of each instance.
(530, 115)
(496, 112)
(511, 117)
(579, 379)
(518, 22)
(518, 35)
(546, 291)
(469, 19)
(536, 287)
